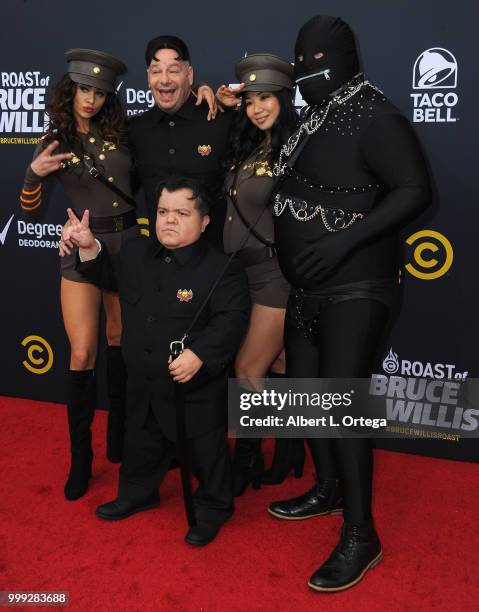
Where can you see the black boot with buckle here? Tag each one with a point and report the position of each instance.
(358, 551)
(247, 466)
(80, 410)
(289, 455)
(116, 387)
(323, 498)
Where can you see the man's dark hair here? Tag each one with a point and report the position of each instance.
(166, 42)
(199, 193)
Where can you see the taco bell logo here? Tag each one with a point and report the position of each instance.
(435, 69)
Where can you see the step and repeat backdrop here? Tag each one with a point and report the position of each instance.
(421, 54)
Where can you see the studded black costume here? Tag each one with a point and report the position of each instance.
(360, 176)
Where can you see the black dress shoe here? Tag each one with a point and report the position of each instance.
(358, 551)
(119, 509)
(202, 534)
(323, 498)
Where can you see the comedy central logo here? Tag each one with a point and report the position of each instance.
(435, 68)
(432, 255)
(39, 355)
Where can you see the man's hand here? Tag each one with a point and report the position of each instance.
(46, 162)
(229, 96)
(79, 233)
(185, 366)
(206, 94)
(320, 258)
(65, 246)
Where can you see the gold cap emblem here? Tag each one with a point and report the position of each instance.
(252, 77)
(97, 70)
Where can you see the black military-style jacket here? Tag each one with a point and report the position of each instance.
(185, 143)
(160, 292)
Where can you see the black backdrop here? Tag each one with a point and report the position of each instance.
(437, 324)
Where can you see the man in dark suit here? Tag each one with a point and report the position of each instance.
(162, 284)
(176, 135)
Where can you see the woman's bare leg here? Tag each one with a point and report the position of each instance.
(111, 305)
(80, 309)
(263, 342)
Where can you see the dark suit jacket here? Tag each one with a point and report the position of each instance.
(185, 143)
(160, 292)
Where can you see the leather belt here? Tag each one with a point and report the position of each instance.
(252, 255)
(108, 225)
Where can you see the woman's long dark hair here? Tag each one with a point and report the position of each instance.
(247, 137)
(110, 121)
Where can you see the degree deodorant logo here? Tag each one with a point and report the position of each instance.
(39, 355)
(431, 255)
(4, 230)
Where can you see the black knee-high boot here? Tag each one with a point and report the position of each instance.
(116, 387)
(248, 465)
(80, 409)
(288, 455)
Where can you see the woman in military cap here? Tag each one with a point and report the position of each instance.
(265, 120)
(87, 130)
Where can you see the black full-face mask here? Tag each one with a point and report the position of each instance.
(325, 57)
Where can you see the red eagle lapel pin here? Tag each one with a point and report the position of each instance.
(184, 295)
(204, 150)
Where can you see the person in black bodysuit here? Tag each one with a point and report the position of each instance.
(360, 177)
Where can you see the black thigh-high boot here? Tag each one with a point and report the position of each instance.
(247, 465)
(80, 409)
(116, 387)
(288, 455)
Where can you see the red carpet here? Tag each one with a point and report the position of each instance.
(426, 514)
